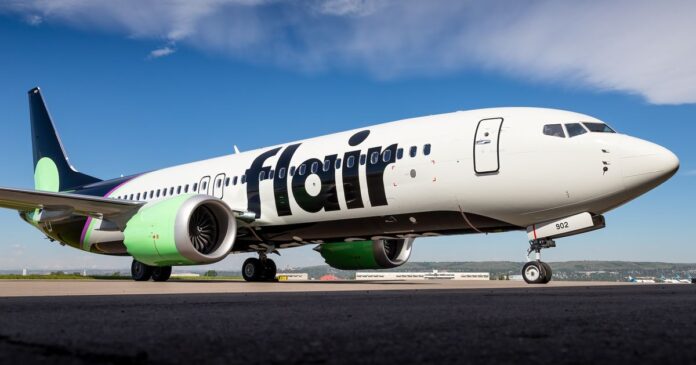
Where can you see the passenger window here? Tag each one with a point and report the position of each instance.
(399, 153)
(205, 185)
(374, 157)
(178, 189)
(137, 197)
(426, 149)
(218, 183)
(152, 194)
(164, 192)
(327, 165)
(413, 152)
(262, 175)
(186, 188)
(302, 169)
(338, 163)
(171, 191)
(598, 127)
(227, 181)
(292, 171)
(195, 187)
(315, 167)
(363, 159)
(244, 179)
(281, 173)
(386, 156)
(575, 129)
(234, 181)
(350, 162)
(131, 197)
(158, 193)
(554, 130)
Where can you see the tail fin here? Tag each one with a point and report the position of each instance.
(52, 171)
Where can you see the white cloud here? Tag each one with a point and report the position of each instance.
(34, 20)
(161, 52)
(640, 47)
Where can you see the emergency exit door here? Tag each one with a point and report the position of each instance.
(487, 146)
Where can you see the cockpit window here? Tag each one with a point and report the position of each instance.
(598, 127)
(575, 129)
(555, 130)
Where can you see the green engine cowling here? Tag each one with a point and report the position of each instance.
(365, 255)
(183, 230)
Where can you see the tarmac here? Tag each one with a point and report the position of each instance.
(79, 322)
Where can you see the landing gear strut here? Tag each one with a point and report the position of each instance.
(143, 272)
(537, 271)
(261, 269)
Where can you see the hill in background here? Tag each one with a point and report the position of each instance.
(568, 270)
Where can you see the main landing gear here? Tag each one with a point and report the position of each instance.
(537, 271)
(142, 272)
(259, 269)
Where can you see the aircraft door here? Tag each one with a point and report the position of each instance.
(203, 186)
(219, 186)
(486, 146)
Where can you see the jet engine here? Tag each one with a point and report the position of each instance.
(183, 230)
(362, 255)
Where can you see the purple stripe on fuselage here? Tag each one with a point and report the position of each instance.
(89, 219)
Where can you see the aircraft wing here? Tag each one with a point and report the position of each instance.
(67, 203)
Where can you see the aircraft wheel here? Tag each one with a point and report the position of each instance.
(533, 272)
(140, 271)
(252, 270)
(269, 270)
(547, 273)
(161, 273)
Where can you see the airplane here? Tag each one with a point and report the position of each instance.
(648, 280)
(362, 196)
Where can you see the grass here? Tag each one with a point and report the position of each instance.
(55, 276)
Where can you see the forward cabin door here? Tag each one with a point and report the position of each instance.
(487, 146)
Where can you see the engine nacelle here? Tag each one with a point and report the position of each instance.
(183, 230)
(363, 255)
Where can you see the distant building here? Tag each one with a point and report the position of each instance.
(435, 274)
(328, 277)
(185, 275)
(296, 276)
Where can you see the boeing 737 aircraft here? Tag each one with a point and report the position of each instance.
(361, 196)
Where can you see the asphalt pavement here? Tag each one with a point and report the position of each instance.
(576, 325)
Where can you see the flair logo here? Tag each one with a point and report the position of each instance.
(375, 161)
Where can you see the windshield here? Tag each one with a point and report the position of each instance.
(598, 127)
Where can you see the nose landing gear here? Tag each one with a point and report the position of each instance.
(537, 271)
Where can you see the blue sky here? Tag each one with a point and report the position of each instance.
(136, 86)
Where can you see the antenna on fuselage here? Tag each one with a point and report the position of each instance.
(236, 150)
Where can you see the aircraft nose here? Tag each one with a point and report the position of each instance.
(646, 165)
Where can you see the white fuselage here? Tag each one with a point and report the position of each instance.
(524, 176)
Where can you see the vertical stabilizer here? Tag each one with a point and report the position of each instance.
(52, 170)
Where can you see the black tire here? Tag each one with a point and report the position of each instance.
(269, 270)
(533, 272)
(548, 273)
(161, 273)
(140, 271)
(252, 269)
